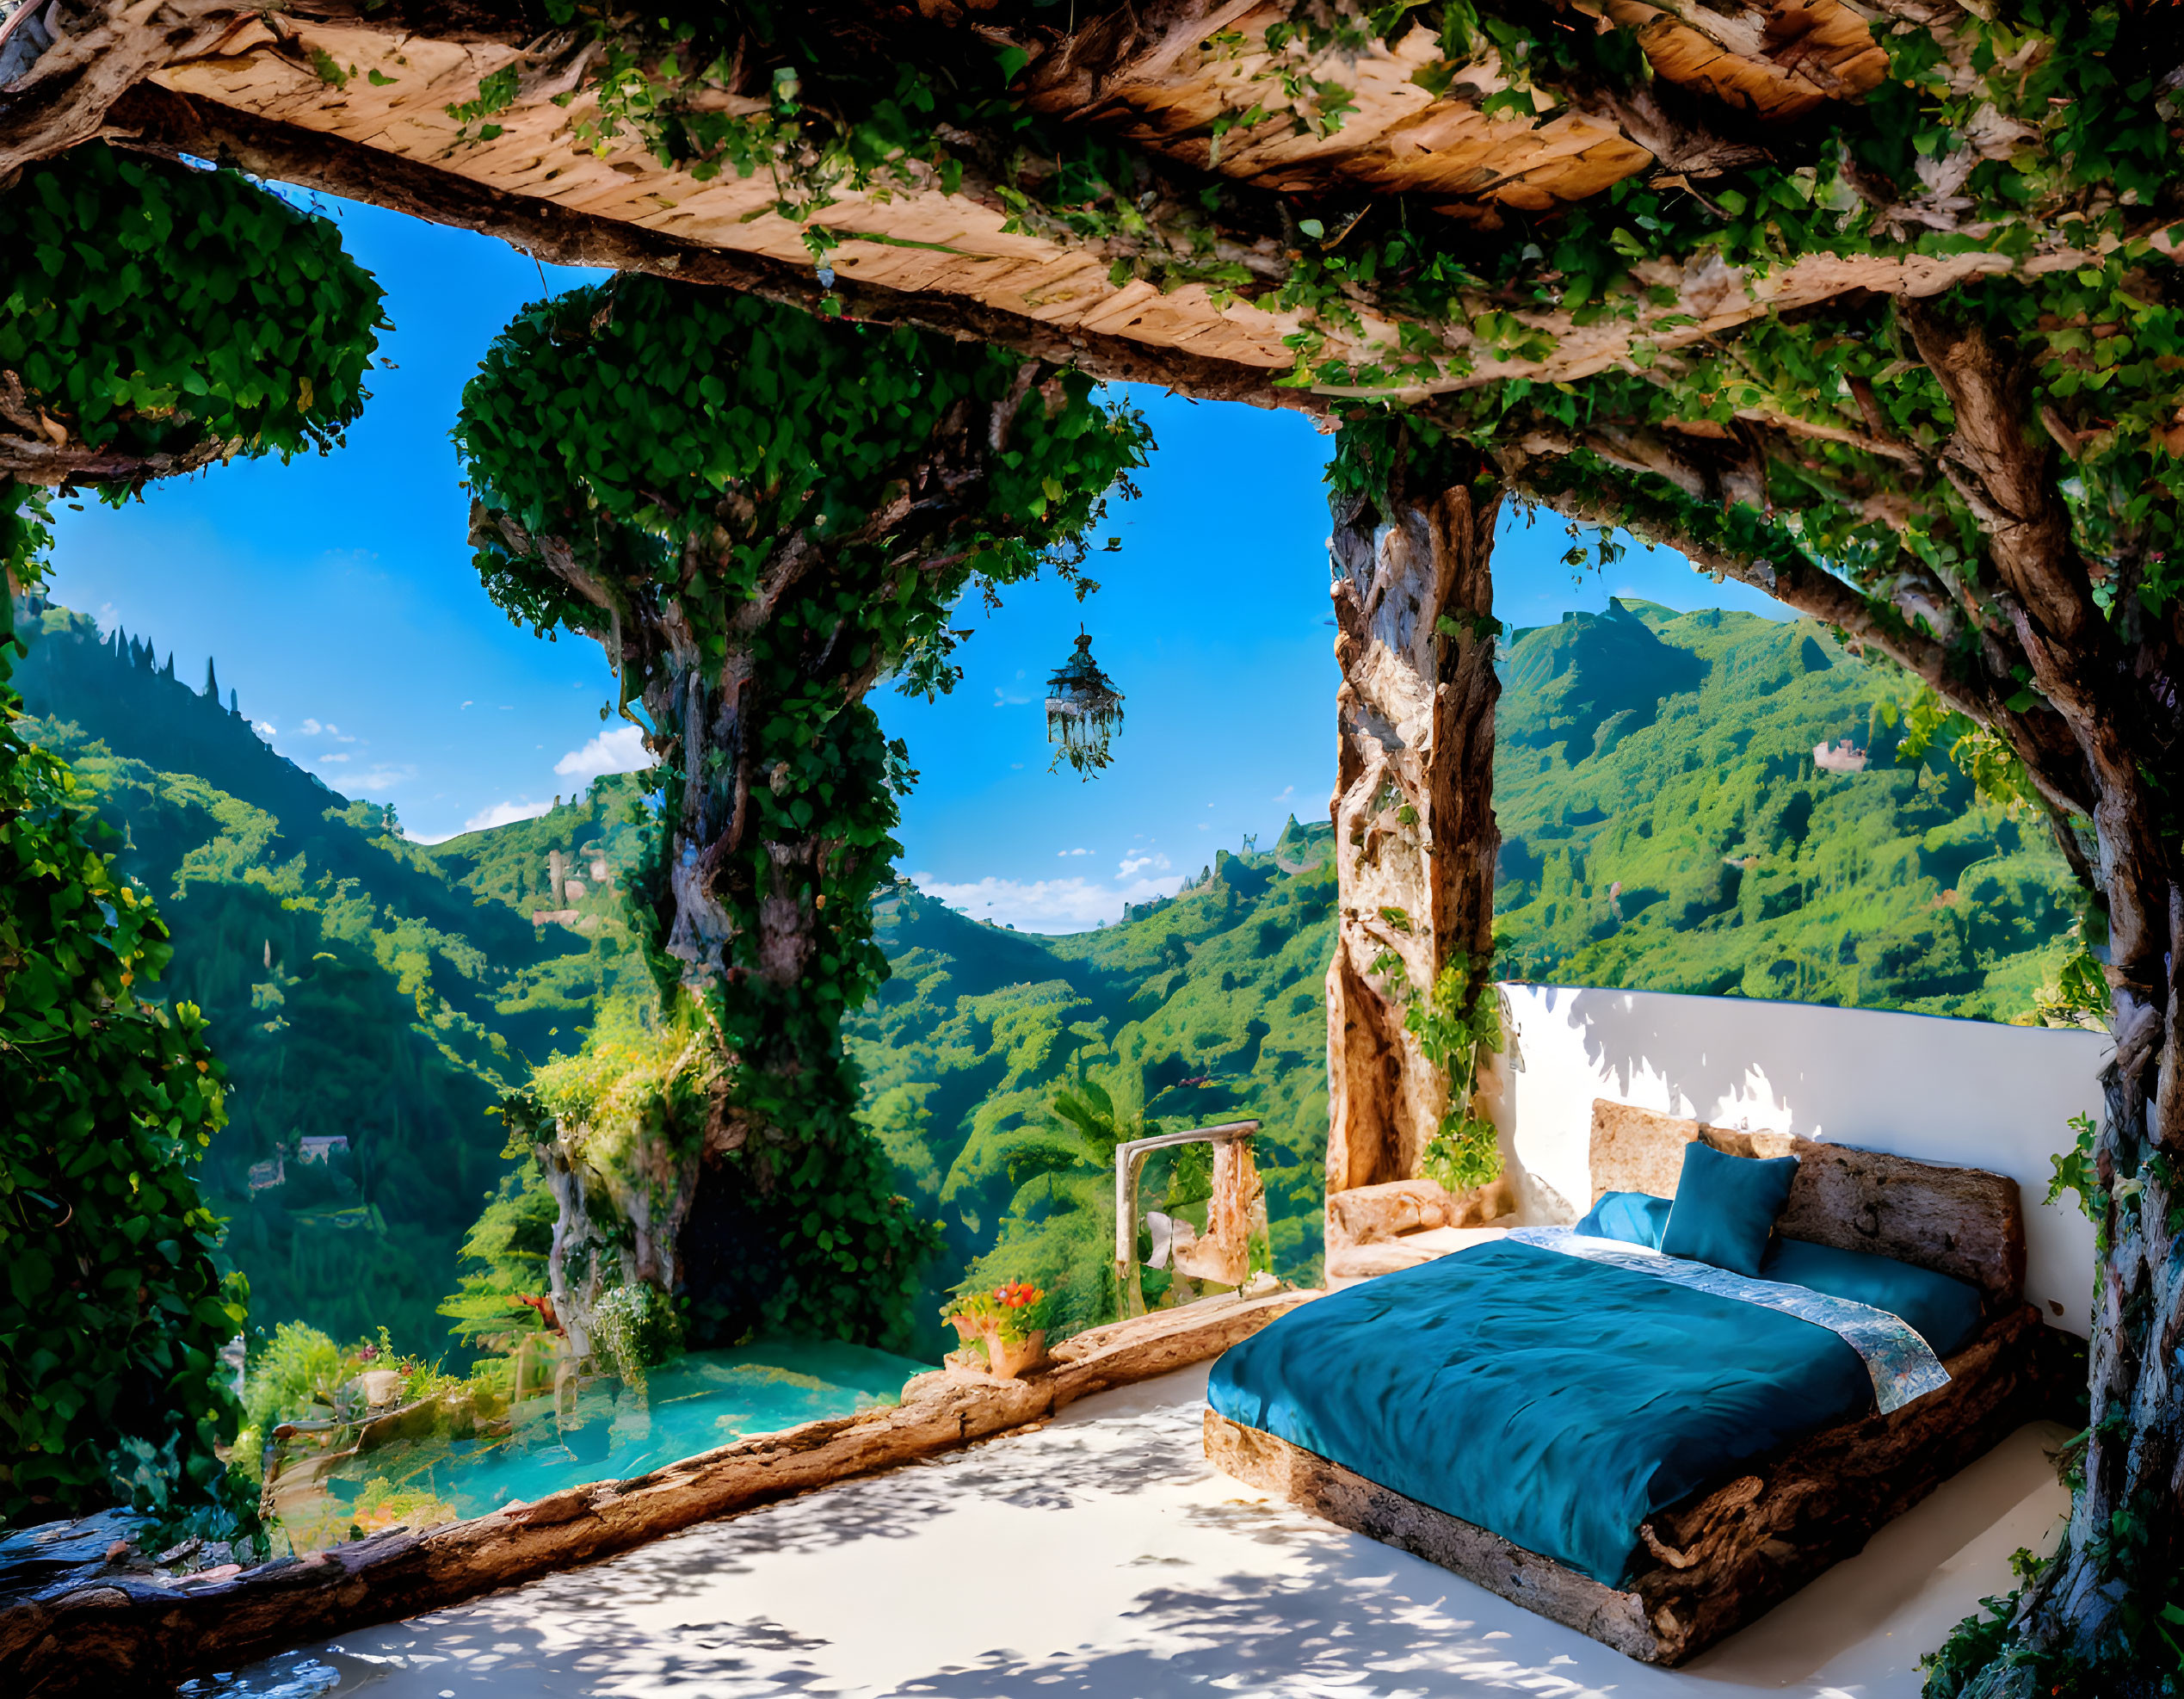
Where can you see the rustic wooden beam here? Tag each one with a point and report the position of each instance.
(1722, 1557)
(127, 1634)
(159, 121)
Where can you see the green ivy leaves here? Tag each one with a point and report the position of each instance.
(113, 1311)
(683, 444)
(154, 309)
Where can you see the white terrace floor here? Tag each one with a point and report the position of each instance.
(1103, 1556)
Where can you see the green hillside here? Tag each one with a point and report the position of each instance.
(1665, 827)
(358, 986)
(1207, 1008)
(1671, 756)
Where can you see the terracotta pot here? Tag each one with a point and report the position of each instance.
(1000, 1358)
(1009, 1361)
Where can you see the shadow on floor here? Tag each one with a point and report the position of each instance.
(1103, 1556)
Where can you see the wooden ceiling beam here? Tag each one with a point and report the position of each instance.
(159, 121)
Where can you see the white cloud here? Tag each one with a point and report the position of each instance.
(1287, 791)
(505, 813)
(1002, 699)
(267, 729)
(466, 704)
(620, 750)
(333, 757)
(380, 778)
(1072, 852)
(109, 617)
(1136, 863)
(1045, 905)
(310, 728)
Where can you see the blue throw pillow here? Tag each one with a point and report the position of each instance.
(1944, 1312)
(1636, 1218)
(1725, 1207)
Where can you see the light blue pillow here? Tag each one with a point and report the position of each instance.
(1636, 1218)
(1725, 1207)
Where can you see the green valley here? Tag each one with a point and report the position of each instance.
(1665, 824)
(366, 994)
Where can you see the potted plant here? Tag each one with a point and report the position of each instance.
(1006, 1326)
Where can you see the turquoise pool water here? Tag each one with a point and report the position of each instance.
(704, 1399)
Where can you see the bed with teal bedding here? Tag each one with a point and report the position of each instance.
(1558, 1402)
(1630, 1441)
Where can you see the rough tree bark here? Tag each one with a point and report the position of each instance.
(781, 679)
(2099, 736)
(1414, 836)
(2112, 677)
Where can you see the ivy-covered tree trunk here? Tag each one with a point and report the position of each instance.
(2024, 579)
(2117, 1582)
(775, 828)
(757, 514)
(1414, 836)
(2111, 1600)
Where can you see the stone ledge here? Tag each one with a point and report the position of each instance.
(1347, 1265)
(95, 1634)
(1373, 1215)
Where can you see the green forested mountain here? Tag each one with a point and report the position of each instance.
(1665, 826)
(1208, 1007)
(358, 986)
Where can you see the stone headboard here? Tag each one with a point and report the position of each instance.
(1964, 1222)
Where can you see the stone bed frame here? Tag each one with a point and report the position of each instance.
(89, 1633)
(1727, 1553)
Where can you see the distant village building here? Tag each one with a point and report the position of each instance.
(321, 1148)
(1843, 757)
(266, 1175)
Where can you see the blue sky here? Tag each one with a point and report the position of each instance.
(337, 595)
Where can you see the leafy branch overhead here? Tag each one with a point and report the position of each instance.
(154, 318)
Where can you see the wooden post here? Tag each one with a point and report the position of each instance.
(1414, 836)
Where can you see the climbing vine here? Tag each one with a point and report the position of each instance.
(112, 1312)
(1458, 1024)
(153, 317)
(760, 514)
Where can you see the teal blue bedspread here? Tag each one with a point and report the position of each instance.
(1556, 1401)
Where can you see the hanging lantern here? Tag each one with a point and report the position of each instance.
(1083, 712)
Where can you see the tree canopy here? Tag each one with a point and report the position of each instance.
(156, 317)
(759, 513)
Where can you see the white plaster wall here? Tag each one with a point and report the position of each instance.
(1966, 1093)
